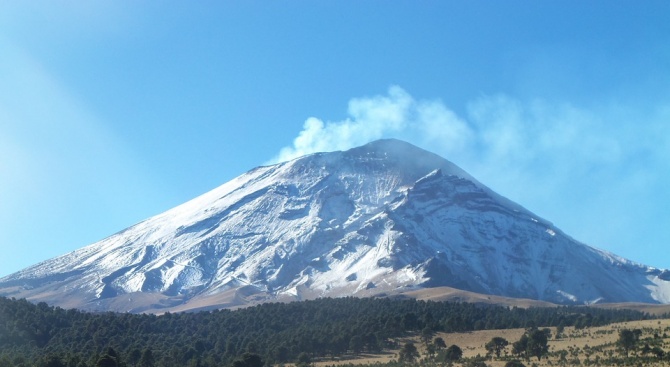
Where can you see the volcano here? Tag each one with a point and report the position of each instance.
(379, 219)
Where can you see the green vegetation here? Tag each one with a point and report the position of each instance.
(268, 334)
(496, 345)
(628, 339)
(451, 354)
(408, 353)
(534, 343)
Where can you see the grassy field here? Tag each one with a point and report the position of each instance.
(583, 347)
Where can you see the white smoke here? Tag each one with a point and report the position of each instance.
(498, 137)
(394, 115)
(566, 163)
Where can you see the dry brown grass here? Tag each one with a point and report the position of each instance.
(578, 343)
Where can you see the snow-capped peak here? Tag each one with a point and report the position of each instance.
(374, 219)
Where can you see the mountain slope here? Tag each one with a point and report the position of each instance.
(380, 218)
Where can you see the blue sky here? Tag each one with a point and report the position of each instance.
(111, 112)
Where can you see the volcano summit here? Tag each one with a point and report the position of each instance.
(378, 219)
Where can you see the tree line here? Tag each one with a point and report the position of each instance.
(41, 335)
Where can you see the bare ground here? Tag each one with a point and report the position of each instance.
(592, 344)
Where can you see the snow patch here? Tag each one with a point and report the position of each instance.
(567, 295)
(594, 301)
(660, 290)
